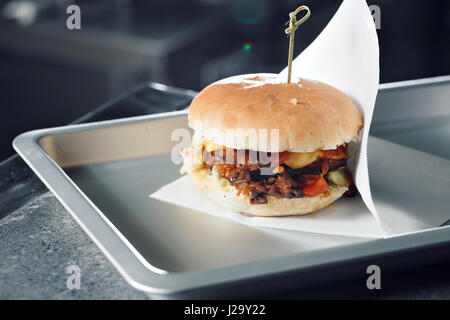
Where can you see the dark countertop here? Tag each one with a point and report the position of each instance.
(39, 241)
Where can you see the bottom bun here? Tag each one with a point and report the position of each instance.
(224, 194)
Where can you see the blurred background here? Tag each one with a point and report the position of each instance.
(50, 75)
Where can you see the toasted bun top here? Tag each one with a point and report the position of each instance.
(308, 115)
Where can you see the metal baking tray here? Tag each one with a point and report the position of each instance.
(103, 173)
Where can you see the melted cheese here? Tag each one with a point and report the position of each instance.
(210, 146)
(299, 160)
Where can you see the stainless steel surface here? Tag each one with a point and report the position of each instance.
(111, 167)
(415, 114)
(409, 100)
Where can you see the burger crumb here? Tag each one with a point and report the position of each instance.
(278, 169)
(293, 101)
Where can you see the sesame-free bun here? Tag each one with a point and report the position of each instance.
(225, 195)
(309, 115)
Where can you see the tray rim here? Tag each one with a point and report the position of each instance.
(143, 276)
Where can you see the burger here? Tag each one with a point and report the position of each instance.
(267, 148)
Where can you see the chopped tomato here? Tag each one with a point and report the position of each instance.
(313, 185)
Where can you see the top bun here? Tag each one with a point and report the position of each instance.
(309, 115)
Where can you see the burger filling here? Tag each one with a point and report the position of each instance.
(295, 175)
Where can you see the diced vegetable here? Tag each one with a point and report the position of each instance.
(314, 184)
(338, 177)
